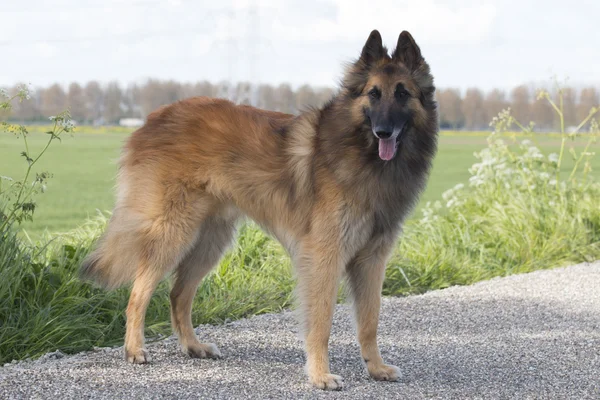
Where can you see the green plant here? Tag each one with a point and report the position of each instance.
(520, 211)
(17, 197)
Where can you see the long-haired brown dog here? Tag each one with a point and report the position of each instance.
(333, 185)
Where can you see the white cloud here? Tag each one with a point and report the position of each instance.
(45, 50)
(429, 21)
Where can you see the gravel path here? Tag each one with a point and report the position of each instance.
(527, 336)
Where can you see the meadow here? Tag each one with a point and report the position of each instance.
(84, 167)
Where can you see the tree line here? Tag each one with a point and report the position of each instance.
(473, 109)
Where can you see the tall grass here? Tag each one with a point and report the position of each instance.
(44, 306)
(517, 213)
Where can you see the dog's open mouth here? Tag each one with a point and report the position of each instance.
(388, 147)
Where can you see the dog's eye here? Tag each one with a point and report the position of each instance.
(401, 93)
(375, 94)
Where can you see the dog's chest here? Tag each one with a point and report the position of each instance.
(355, 231)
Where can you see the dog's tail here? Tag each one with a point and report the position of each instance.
(114, 261)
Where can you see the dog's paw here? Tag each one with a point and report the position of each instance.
(203, 350)
(327, 381)
(137, 356)
(383, 372)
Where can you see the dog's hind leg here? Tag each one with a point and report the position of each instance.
(365, 275)
(144, 285)
(162, 239)
(215, 236)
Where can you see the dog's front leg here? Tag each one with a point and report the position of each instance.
(365, 277)
(319, 269)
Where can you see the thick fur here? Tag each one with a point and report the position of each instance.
(314, 181)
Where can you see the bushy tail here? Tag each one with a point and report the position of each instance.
(114, 261)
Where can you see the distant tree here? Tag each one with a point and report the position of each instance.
(225, 90)
(94, 102)
(266, 97)
(520, 104)
(588, 98)
(130, 101)
(53, 100)
(244, 94)
(112, 103)
(569, 97)
(76, 102)
(25, 110)
(494, 102)
(451, 112)
(324, 95)
(472, 107)
(542, 114)
(305, 98)
(285, 99)
(171, 92)
(155, 93)
(203, 88)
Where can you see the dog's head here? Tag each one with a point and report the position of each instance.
(393, 96)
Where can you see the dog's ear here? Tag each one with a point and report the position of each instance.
(373, 49)
(407, 51)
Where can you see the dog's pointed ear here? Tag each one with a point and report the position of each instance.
(407, 51)
(373, 49)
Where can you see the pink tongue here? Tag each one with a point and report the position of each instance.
(387, 148)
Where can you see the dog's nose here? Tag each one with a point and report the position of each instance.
(383, 134)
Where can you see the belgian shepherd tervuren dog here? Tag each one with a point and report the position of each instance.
(333, 185)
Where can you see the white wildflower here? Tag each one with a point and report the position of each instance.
(544, 175)
(68, 124)
(553, 157)
(459, 186)
(476, 181)
(447, 194)
(23, 93)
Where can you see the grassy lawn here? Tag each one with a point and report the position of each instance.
(84, 167)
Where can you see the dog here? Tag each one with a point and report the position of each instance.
(333, 185)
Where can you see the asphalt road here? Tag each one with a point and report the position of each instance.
(525, 336)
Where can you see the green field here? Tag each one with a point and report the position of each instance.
(84, 167)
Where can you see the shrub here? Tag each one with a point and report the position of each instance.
(520, 211)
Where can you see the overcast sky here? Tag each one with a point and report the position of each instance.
(486, 43)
